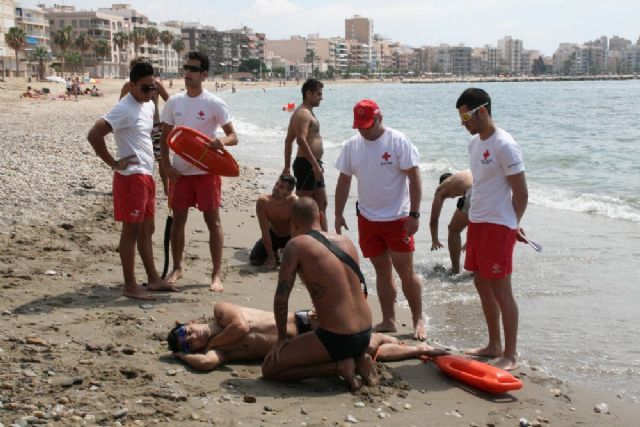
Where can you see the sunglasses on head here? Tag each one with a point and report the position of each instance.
(148, 88)
(192, 68)
(469, 114)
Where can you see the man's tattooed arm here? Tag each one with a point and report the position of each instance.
(286, 279)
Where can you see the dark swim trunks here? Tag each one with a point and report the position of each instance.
(303, 171)
(464, 202)
(259, 252)
(302, 321)
(342, 347)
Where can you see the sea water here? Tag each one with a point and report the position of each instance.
(578, 298)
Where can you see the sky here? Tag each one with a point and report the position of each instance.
(540, 24)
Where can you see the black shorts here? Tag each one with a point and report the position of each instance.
(342, 347)
(259, 252)
(303, 171)
(303, 323)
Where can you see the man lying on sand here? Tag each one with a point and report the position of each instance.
(240, 333)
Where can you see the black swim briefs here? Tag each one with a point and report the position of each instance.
(341, 346)
(259, 252)
(303, 171)
(303, 323)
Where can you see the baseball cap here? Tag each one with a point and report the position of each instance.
(364, 114)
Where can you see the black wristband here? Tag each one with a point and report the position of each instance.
(320, 184)
(414, 214)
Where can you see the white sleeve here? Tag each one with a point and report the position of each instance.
(343, 164)
(119, 117)
(167, 112)
(408, 154)
(510, 158)
(221, 113)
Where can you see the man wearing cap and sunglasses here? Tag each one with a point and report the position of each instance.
(386, 164)
(134, 190)
(498, 200)
(189, 186)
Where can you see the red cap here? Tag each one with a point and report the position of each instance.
(364, 114)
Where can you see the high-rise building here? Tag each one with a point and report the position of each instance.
(36, 27)
(511, 53)
(360, 29)
(460, 60)
(7, 20)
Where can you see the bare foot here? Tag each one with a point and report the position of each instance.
(136, 292)
(385, 327)
(420, 331)
(162, 285)
(216, 285)
(173, 277)
(484, 352)
(346, 369)
(367, 370)
(506, 363)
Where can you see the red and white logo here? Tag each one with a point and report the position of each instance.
(496, 269)
(486, 154)
(386, 156)
(201, 115)
(486, 158)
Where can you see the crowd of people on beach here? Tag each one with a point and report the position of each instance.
(338, 337)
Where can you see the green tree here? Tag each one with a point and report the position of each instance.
(73, 60)
(138, 36)
(311, 58)
(152, 34)
(40, 55)
(538, 67)
(178, 46)
(249, 65)
(83, 43)
(121, 40)
(102, 50)
(62, 38)
(166, 38)
(16, 39)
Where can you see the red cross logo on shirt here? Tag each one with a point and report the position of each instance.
(485, 154)
(386, 156)
(201, 114)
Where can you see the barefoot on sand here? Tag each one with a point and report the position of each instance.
(506, 363)
(484, 352)
(367, 370)
(216, 285)
(136, 292)
(162, 285)
(420, 331)
(346, 369)
(173, 277)
(385, 327)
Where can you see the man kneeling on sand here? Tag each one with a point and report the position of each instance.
(240, 333)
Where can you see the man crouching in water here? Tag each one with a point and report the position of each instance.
(338, 346)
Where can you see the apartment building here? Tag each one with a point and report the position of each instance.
(360, 29)
(511, 54)
(36, 26)
(460, 60)
(7, 20)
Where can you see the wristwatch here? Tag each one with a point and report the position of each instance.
(414, 214)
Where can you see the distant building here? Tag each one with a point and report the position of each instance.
(36, 26)
(460, 60)
(618, 43)
(511, 54)
(360, 29)
(7, 20)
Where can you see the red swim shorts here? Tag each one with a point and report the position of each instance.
(375, 237)
(134, 197)
(490, 250)
(201, 191)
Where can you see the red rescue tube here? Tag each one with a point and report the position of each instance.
(477, 374)
(193, 146)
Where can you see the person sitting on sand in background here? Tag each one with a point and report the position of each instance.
(274, 216)
(338, 346)
(238, 333)
(452, 185)
(134, 190)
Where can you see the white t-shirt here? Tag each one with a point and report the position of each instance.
(131, 122)
(204, 113)
(492, 160)
(379, 166)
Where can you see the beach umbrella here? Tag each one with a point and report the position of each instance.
(92, 81)
(56, 79)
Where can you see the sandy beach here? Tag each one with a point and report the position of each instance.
(73, 351)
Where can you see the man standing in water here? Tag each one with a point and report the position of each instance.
(498, 201)
(134, 191)
(304, 128)
(189, 186)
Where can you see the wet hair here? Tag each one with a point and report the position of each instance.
(474, 97)
(202, 57)
(176, 340)
(444, 176)
(311, 85)
(290, 180)
(305, 211)
(139, 71)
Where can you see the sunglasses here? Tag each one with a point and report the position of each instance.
(148, 88)
(192, 68)
(469, 114)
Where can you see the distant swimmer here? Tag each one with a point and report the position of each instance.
(498, 202)
(452, 185)
(304, 129)
(274, 217)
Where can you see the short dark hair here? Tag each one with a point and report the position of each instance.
(474, 97)
(172, 339)
(202, 57)
(140, 70)
(444, 176)
(311, 85)
(290, 180)
(137, 59)
(305, 210)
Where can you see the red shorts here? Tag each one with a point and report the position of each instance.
(375, 237)
(490, 250)
(134, 197)
(190, 191)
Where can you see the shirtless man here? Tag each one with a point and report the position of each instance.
(304, 128)
(452, 185)
(240, 333)
(274, 216)
(338, 346)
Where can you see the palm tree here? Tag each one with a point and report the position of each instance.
(178, 46)
(40, 55)
(137, 37)
(166, 37)
(16, 39)
(62, 38)
(83, 42)
(102, 50)
(311, 58)
(121, 39)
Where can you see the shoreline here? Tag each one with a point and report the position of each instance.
(71, 339)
